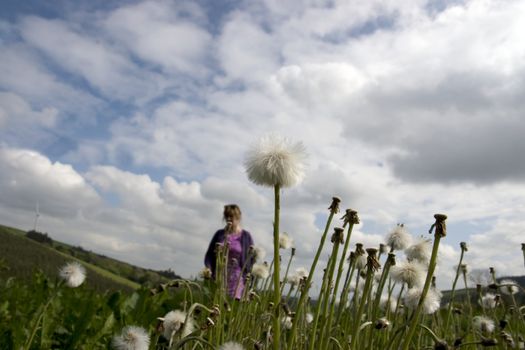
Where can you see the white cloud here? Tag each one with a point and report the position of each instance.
(28, 178)
(23, 74)
(101, 65)
(156, 32)
(245, 51)
(405, 111)
(16, 110)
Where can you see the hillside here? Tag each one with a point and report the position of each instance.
(20, 257)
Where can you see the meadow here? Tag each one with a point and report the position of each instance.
(381, 297)
(398, 305)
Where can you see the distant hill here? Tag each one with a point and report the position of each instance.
(21, 256)
(461, 293)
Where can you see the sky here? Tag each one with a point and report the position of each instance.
(127, 123)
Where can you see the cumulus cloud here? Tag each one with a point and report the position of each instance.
(163, 33)
(92, 59)
(28, 178)
(406, 109)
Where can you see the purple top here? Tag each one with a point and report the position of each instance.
(243, 241)
(235, 282)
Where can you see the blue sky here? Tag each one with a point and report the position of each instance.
(128, 121)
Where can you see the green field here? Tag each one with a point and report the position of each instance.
(20, 257)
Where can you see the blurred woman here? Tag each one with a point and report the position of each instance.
(239, 241)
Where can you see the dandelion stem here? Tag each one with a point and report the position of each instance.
(452, 294)
(276, 278)
(287, 270)
(339, 273)
(333, 209)
(364, 297)
(440, 231)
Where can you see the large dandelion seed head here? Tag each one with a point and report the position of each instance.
(131, 338)
(387, 303)
(421, 250)
(399, 238)
(509, 287)
(261, 270)
(483, 324)
(480, 276)
(259, 253)
(285, 241)
(431, 303)
(413, 273)
(287, 323)
(73, 274)
(275, 160)
(488, 301)
(173, 323)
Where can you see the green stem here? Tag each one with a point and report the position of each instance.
(276, 278)
(287, 270)
(41, 316)
(339, 274)
(366, 289)
(327, 322)
(304, 292)
(415, 318)
(451, 301)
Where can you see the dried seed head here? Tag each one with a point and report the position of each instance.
(503, 323)
(441, 345)
(382, 323)
(439, 225)
(350, 217)
(488, 342)
(463, 246)
(359, 249)
(338, 235)
(372, 263)
(334, 206)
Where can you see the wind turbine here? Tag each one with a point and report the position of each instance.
(37, 215)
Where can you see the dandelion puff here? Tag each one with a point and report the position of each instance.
(360, 261)
(293, 280)
(301, 272)
(261, 270)
(509, 287)
(73, 274)
(399, 238)
(173, 322)
(285, 241)
(480, 276)
(275, 160)
(309, 317)
(420, 251)
(412, 273)
(430, 305)
(483, 324)
(385, 303)
(488, 301)
(377, 276)
(205, 273)
(259, 253)
(287, 322)
(231, 345)
(131, 338)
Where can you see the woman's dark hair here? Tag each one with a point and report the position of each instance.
(232, 210)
